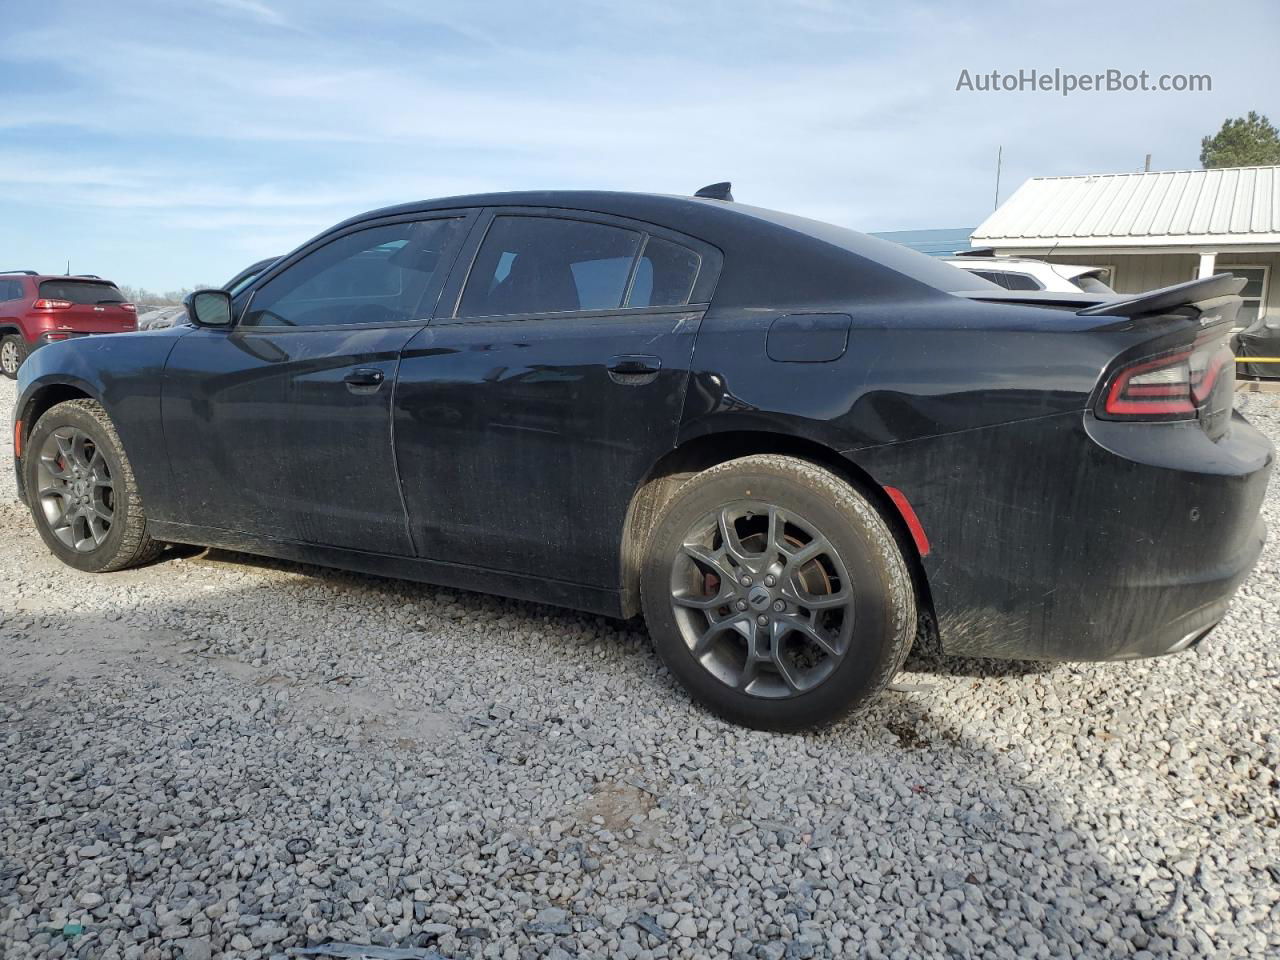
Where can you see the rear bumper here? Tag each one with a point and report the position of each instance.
(58, 336)
(1071, 538)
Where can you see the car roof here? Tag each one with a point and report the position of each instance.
(747, 235)
(1066, 270)
(41, 277)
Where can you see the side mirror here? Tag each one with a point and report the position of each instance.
(209, 308)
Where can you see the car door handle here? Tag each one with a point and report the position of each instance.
(364, 377)
(633, 368)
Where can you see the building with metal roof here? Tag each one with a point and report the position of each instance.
(1152, 229)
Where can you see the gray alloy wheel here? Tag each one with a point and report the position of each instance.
(11, 356)
(81, 490)
(775, 593)
(762, 599)
(75, 490)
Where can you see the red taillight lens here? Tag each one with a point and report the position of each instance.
(129, 306)
(1171, 386)
(43, 304)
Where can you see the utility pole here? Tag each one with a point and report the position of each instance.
(999, 161)
(1146, 167)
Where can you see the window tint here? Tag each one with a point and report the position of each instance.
(80, 291)
(245, 281)
(548, 265)
(10, 290)
(370, 276)
(664, 275)
(992, 276)
(1021, 281)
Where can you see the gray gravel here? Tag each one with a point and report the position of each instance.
(223, 756)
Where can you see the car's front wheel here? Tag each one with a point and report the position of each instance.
(13, 350)
(81, 490)
(776, 594)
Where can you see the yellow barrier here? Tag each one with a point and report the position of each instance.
(1257, 359)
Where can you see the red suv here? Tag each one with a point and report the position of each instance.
(37, 309)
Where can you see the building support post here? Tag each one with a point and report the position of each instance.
(1207, 262)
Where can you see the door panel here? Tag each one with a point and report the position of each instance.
(267, 438)
(281, 427)
(520, 448)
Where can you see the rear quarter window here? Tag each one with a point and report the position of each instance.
(80, 291)
(1022, 281)
(664, 276)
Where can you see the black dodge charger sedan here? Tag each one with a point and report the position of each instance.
(791, 446)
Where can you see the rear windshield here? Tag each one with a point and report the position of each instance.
(931, 271)
(81, 291)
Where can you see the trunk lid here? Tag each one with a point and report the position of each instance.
(1179, 366)
(92, 306)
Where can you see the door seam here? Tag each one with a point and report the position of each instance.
(395, 456)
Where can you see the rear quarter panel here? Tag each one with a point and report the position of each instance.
(978, 414)
(911, 369)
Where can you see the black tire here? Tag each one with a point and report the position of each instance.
(858, 560)
(124, 541)
(13, 350)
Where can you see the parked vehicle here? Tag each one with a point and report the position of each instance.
(1258, 344)
(36, 309)
(1022, 273)
(786, 443)
(169, 316)
(159, 318)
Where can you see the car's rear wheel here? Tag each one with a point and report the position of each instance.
(13, 350)
(776, 593)
(81, 490)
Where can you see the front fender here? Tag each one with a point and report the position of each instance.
(124, 373)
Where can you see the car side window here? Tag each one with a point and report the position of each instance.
(991, 276)
(549, 265)
(1022, 281)
(10, 290)
(376, 275)
(664, 276)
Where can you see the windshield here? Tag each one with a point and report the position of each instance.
(244, 282)
(81, 291)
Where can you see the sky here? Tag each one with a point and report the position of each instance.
(166, 144)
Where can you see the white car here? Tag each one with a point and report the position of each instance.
(159, 317)
(1019, 273)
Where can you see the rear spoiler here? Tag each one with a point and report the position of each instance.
(1169, 298)
(1191, 293)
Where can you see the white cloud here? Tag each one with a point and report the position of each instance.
(254, 9)
(212, 121)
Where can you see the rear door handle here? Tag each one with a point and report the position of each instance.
(364, 377)
(634, 368)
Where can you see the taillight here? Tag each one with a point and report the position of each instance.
(128, 306)
(1171, 386)
(43, 304)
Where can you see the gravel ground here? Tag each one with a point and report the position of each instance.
(223, 756)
